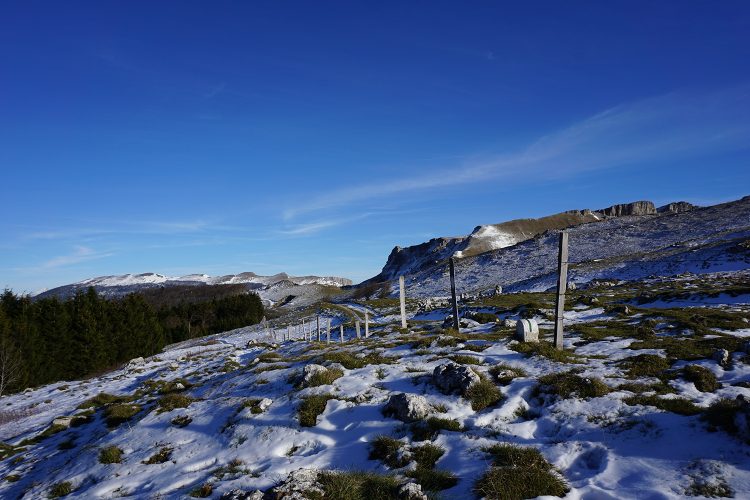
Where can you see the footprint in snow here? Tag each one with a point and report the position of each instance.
(589, 463)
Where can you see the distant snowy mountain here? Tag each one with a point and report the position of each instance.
(114, 286)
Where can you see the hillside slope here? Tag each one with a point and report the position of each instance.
(625, 247)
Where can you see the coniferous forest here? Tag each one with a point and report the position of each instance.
(49, 339)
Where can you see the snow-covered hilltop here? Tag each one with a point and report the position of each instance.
(114, 286)
(627, 241)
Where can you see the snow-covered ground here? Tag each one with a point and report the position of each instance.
(603, 447)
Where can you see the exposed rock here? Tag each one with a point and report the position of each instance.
(721, 356)
(135, 362)
(527, 330)
(311, 370)
(243, 495)
(298, 485)
(264, 404)
(411, 491)
(174, 365)
(63, 421)
(676, 207)
(453, 378)
(509, 323)
(407, 407)
(634, 208)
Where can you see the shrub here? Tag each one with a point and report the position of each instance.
(118, 413)
(325, 377)
(169, 402)
(722, 414)
(160, 456)
(427, 455)
(546, 350)
(568, 384)
(519, 473)
(254, 405)
(60, 489)
(483, 394)
(110, 455)
(466, 360)
(351, 362)
(357, 485)
(428, 429)
(703, 378)
(681, 406)
(386, 449)
(433, 480)
(311, 407)
(645, 365)
(202, 491)
(103, 399)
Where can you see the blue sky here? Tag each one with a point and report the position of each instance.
(312, 137)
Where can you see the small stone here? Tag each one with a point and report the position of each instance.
(179, 387)
(411, 491)
(453, 378)
(721, 356)
(407, 407)
(63, 421)
(264, 404)
(174, 365)
(509, 323)
(242, 495)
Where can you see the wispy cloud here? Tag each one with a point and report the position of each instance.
(317, 226)
(667, 127)
(79, 254)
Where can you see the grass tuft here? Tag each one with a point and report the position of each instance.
(351, 362)
(110, 455)
(169, 402)
(568, 384)
(703, 378)
(483, 394)
(518, 473)
(645, 365)
(466, 360)
(311, 407)
(324, 378)
(680, 406)
(546, 350)
(357, 485)
(387, 450)
(722, 414)
(160, 456)
(116, 414)
(61, 489)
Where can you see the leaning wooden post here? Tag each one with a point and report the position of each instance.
(318, 322)
(356, 324)
(453, 293)
(562, 286)
(367, 325)
(341, 332)
(402, 296)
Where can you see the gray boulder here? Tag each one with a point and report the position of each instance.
(242, 495)
(298, 485)
(452, 378)
(407, 407)
(411, 491)
(721, 356)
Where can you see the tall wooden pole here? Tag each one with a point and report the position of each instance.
(318, 323)
(402, 296)
(341, 332)
(453, 293)
(562, 286)
(367, 324)
(328, 331)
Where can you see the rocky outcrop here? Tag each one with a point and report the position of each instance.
(452, 378)
(299, 485)
(407, 407)
(634, 208)
(676, 207)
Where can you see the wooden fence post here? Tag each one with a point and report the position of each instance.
(562, 286)
(402, 296)
(356, 324)
(317, 319)
(367, 324)
(328, 330)
(341, 332)
(453, 293)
